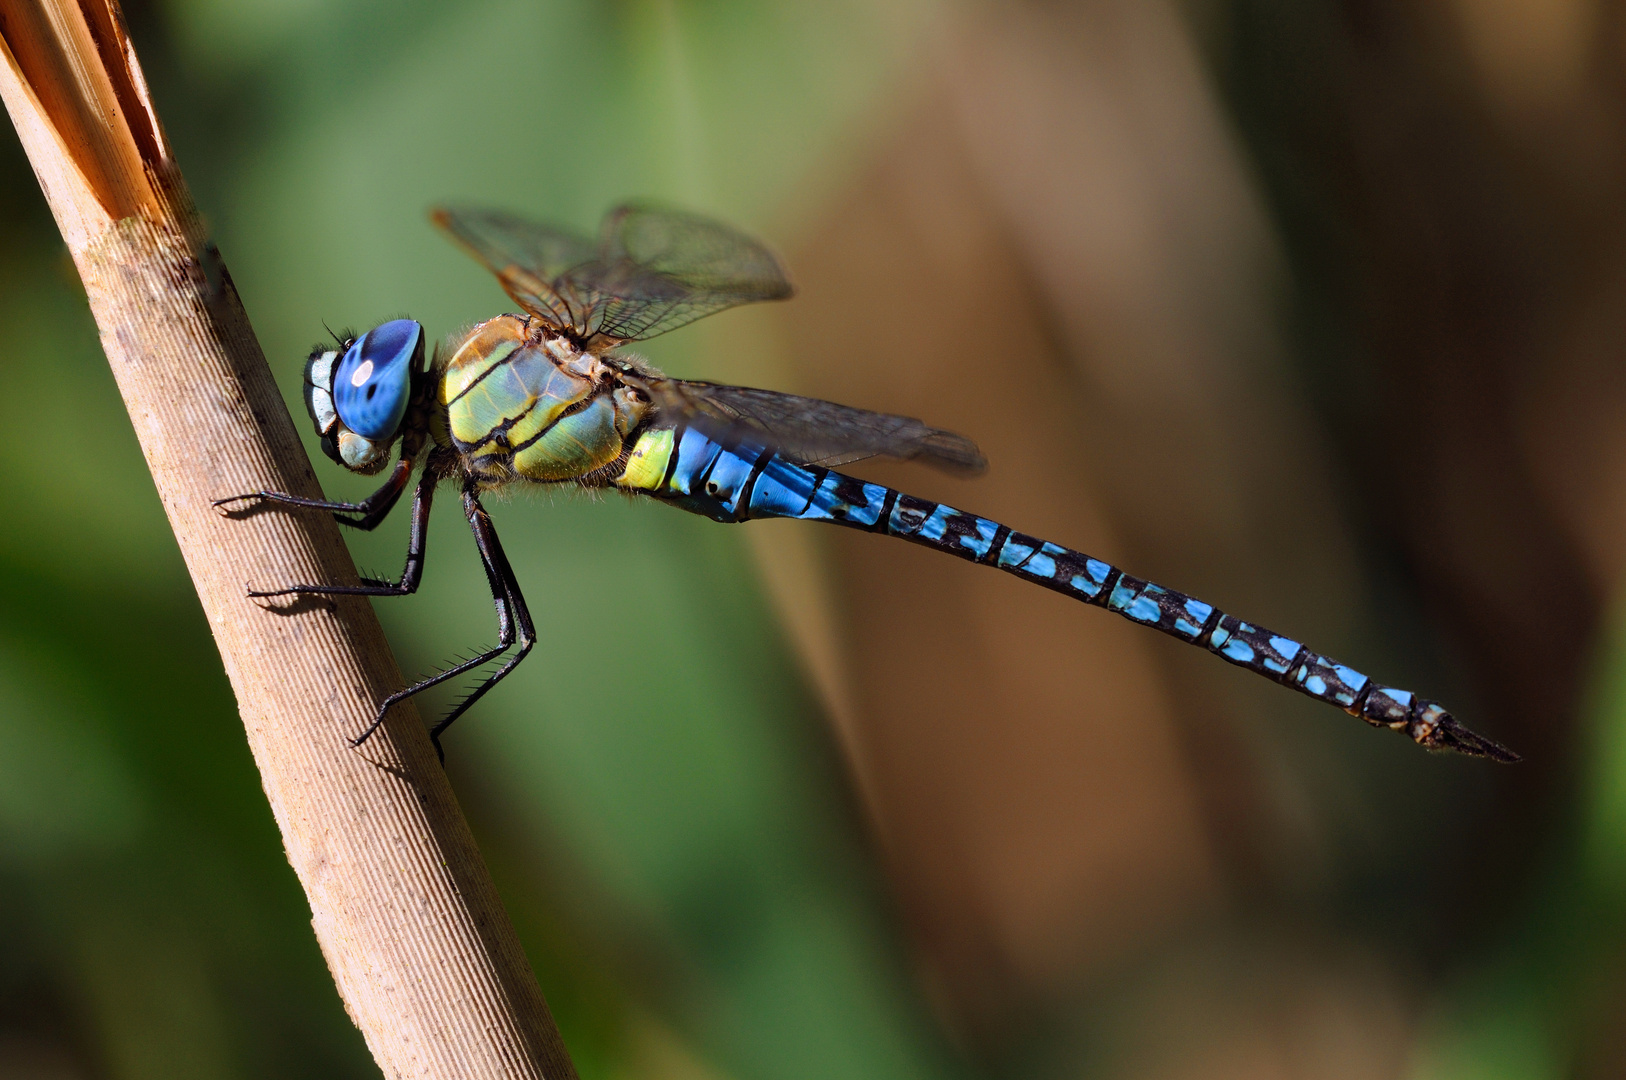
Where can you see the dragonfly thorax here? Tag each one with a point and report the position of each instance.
(521, 402)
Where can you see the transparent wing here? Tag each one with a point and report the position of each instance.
(808, 430)
(659, 269)
(530, 260)
(652, 270)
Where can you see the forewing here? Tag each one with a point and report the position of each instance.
(652, 270)
(537, 264)
(659, 269)
(808, 430)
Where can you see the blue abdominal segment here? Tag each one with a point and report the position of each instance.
(744, 482)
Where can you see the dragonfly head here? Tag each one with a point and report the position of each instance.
(358, 394)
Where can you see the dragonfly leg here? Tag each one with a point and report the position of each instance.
(373, 509)
(513, 625)
(411, 574)
(501, 576)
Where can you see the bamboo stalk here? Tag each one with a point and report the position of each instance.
(424, 956)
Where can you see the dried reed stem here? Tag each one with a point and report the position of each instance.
(406, 914)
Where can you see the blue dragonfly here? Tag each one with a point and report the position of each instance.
(549, 396)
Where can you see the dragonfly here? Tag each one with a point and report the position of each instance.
(550, 396)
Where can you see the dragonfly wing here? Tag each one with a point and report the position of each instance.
(652, 270)
(535, 263)
(808, 430)
(659, 269)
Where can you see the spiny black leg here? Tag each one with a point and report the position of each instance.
(373, 509)
(411, 574)
(438, 678)
(500, 574)
(513, 620)
(505, 638)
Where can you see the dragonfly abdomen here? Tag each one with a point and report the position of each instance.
(684, 467)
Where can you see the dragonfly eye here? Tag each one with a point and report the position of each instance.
(372, 384)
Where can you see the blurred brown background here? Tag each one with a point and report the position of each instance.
(1315, 308)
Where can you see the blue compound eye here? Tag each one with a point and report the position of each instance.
(373, 382)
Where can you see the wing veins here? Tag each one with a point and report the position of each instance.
(652, 269)
(809, 431)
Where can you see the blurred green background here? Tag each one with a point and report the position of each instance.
(1314, 310)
